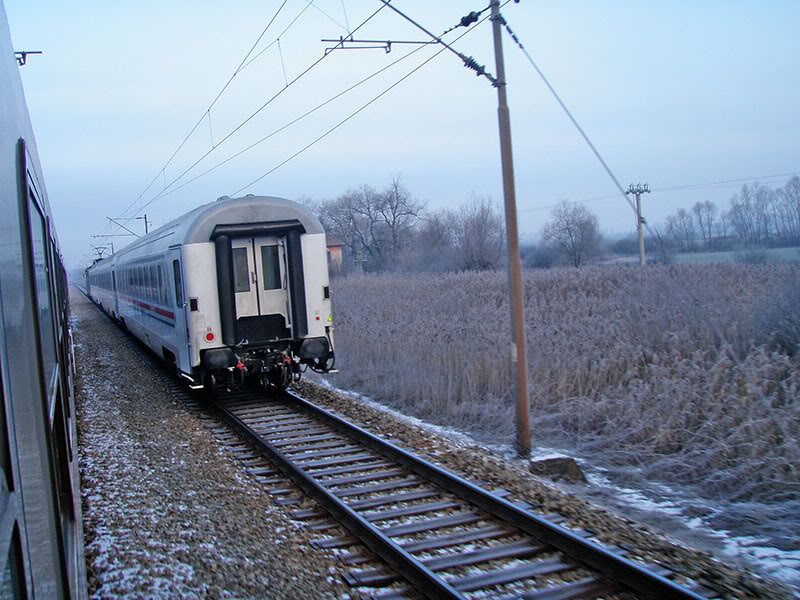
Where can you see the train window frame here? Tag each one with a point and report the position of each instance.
(241, 280)
(153, 283)
(162, 285)
(271, 267)
(5, 438)
(176, 270)
(42, 288)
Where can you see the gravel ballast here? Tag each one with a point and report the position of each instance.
(167, 512)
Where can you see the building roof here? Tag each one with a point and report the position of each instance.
(332, 241)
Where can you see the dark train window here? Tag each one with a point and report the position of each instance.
(162, 285)
(153, 283)
(176, 267)
(12, 578)
(241, 270)
(43, 306)
(272, 267)
(148, 285)
(5, 449)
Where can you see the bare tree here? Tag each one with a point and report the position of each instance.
(433, 246)
(704, 214)
(751, 213)
(681, 226)
(574, 232)
(355, 218)
(787, 201)
(400, 212)
(478, 236)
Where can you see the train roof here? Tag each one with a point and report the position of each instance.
(199, 224)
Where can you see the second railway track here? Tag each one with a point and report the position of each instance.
(424, 531)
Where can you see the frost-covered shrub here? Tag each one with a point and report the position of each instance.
(679, 369)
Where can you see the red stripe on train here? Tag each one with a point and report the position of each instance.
(160, 311)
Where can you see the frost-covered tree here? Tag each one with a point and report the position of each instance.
(478, 235)
(573, 231)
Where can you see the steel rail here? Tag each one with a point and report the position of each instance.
(610, 565)
(415, 572)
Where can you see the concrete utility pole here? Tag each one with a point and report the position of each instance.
(638, 190)
(519, 362)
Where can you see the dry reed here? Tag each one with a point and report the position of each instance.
(690, 372)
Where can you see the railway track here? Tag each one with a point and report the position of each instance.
(407, 528)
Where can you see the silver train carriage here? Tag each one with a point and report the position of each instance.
(41, 544)
(234, 288)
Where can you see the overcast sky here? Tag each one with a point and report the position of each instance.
(672, 94)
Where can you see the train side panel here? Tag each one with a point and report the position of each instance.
(41, 548)
(205, 331)
(318, 303)
(233, 288)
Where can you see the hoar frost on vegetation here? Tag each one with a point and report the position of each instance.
(690, 373)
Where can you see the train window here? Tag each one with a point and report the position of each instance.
(153, 283)
(272, 267)
(162, 285)
(147, 283)
(5, 451)
(41, 272)
(12, 577)
(176, 268)
(241, 270)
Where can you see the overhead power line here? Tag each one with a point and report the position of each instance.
(280, 35)
(170, 190)
(468, 61)
(164, 191)
(210, 106)
(353, 114)
(571, 118)
(723, 183)
(284, 127)
(680, 188)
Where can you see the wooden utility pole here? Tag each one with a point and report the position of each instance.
(638, 190)
(519, 362)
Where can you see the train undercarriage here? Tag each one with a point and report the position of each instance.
(274, 365)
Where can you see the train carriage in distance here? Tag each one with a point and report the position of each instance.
(238, 287)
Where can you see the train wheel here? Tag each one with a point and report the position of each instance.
(209, 387)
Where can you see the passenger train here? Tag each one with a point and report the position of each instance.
(233, 289)
(41, 542)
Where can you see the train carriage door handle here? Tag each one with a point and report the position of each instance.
(253, 277)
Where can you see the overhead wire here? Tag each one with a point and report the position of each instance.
(280, 35)
(346, 20)
(252, 115)
(569, 114)
(289, 124)
(681, 188)
(468, 61)
(610, 173)
(724, 182)
(207, 111)
(356, 112)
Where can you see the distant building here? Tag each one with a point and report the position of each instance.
(335, 247)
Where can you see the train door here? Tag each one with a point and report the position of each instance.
(178, 300)
(270, 253)
(261, 284)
